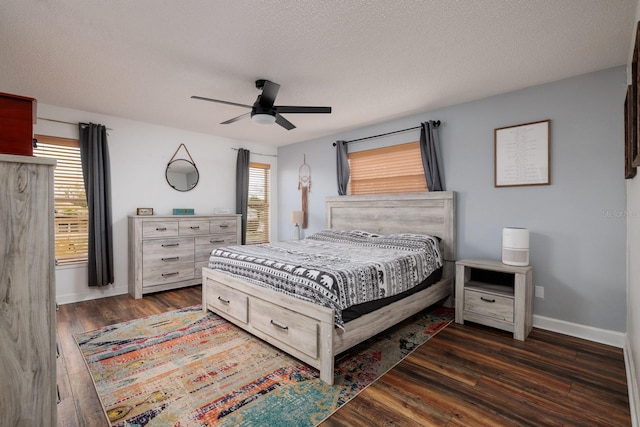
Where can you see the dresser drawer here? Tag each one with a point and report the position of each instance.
(223, 299)
(204, 246)
(175, 273)
(488, 304)
(288, 327)
(162, 249)
(167, 260)
(194, 227)
(223, 226)
(159, 229)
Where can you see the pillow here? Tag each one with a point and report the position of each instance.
(354, 236)
(407, 241)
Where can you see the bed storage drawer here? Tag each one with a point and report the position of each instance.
(293, 329)
(488, 304)
(223, 299)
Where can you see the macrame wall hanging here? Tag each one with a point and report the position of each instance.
(304, 185)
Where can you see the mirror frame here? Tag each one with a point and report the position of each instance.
(166, 175)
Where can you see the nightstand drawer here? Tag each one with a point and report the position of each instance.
(487, 304)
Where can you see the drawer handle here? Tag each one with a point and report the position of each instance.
(216, 241)
(277, 325)
(161, 228)
(224, 226)
(170, 274)
(487, 299)
(173, 258)
(169, 245)
(195, 227)
(224, 301)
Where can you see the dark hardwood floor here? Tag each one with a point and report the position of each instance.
(467, 375)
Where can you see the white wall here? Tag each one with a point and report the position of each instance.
(577, 231)
(633, 284)
(632, 215)
(139, 154)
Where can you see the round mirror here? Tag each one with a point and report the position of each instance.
(182, 174)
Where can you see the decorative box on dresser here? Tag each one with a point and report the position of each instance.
(495, 294)
(169, 251)
(27, 292)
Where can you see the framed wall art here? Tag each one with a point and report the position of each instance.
(522, 154)
(634, 108)
(630, 134)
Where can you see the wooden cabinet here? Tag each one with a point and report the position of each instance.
(27, 292)
(17, 116)
(495, 294)
(167, 252)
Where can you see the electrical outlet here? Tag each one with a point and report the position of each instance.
(540, 292)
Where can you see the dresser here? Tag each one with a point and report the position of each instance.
(27, 292)
(168, 252)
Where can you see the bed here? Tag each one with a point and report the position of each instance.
(310, 332)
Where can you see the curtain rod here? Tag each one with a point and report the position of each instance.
(259, 154)
(436, 124)
(66, 123)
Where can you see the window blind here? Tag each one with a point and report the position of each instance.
(395, 169)
(258, 205)
(70, 202)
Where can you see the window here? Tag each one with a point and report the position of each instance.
(71, 212)
(396, 169)
(258, 209)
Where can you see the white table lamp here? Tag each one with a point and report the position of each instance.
(297, 217)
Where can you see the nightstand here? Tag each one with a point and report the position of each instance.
(495, 294)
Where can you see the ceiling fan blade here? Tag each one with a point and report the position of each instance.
(293, 109)
(284, 122)
(269, 93)
(235, 119)
(221, 102)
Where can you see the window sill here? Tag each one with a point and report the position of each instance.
(72, 266)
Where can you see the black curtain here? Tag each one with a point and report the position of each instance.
(431, 159)
(94, 155)
(342, 167)
(242, 189)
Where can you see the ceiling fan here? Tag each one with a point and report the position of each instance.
(263, 111)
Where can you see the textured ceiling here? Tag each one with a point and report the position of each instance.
(369, 60)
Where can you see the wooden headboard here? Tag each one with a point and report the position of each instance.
(431, 213)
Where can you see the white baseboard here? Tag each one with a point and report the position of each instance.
(90, 294)
(613, 338)
(632, 384)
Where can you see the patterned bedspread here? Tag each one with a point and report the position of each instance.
(336, 269)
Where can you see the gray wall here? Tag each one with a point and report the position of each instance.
(577, 224)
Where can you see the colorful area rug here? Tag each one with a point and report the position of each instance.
(187, 368)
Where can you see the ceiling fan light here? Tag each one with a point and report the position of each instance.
(263, 119)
